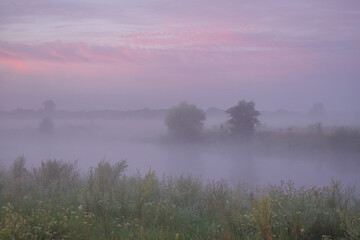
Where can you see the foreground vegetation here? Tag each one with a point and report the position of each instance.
(55, 202)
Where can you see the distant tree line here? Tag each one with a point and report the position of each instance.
(186, 121)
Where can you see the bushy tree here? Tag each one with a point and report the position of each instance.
(243, 119)
(49, 107)
(185, 121)
(46, 126)
(317, 110)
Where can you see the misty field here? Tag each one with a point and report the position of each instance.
(56, 201)
(293, 182)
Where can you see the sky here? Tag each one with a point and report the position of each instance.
(131, 54)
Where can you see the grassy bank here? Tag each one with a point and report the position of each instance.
(54, 201)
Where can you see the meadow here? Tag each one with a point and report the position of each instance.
(56, 201)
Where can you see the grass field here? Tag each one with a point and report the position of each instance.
(54, 201)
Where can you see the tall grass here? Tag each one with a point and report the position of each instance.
(54, 201)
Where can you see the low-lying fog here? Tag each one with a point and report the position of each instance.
(143, 143)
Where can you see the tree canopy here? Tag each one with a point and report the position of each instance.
(46, 126)
(243, 118)
(49, 107)
(185, 120)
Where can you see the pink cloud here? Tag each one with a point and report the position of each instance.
(17, 65)
(192, 52)
(8, 53)
(182, 37)
(64, 52)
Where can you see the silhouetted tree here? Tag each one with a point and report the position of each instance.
(185, 121)
(46, 125)
(317, 109)
(243, 118)
(49, 107)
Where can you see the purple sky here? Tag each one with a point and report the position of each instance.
(87, 54)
